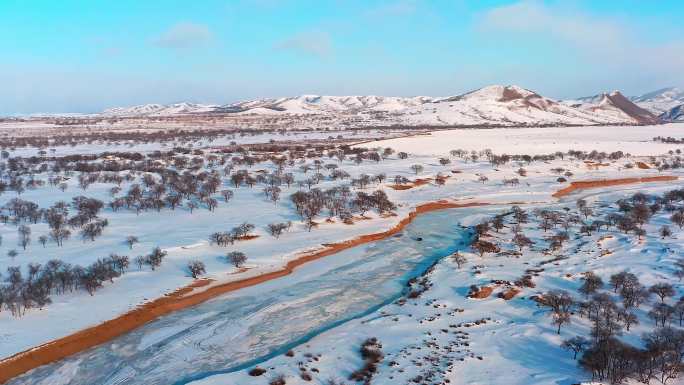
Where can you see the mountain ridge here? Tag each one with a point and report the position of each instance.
(490, 105)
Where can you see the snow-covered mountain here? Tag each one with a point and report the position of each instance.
(675, 114)
(615, 106)
(160, 109)
(660, 101)
(493, 105)
(316, 104)
(504, 105)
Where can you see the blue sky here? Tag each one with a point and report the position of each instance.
(87, 55)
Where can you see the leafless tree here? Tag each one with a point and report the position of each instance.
(237, 258)
(575, 344)
(459, 259)
(196, 268)
(662, 290)
(24, 235)
(131, 240)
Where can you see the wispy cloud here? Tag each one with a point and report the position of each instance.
(614, 48)
(184, 35)
(315, 43)
(574, 27)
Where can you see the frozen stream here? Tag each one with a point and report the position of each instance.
(240, 329)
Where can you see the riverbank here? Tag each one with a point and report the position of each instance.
(186, 297)
(583, 185)
(202, 290)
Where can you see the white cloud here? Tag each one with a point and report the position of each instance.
(314, 43)
(184, 35)
(566, 24)
(612, 48)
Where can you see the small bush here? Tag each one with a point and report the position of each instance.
(256, 372)
(277, 380)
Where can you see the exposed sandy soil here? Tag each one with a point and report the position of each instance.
(595, 166)
(184, 297)
(484, 292)
(509, 294)
(415, 183)
(400, 187)
(581, 185)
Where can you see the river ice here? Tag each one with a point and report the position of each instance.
(248, 326)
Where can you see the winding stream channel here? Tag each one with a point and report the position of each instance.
(240, 329)
(243, 328)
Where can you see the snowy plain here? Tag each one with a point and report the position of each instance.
(443, 335)
(635, 140)
(184, 235)
(326, 309)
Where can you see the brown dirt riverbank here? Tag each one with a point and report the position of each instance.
(582, 185)
(183, 298)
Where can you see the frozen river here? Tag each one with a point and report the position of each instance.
(240, 329)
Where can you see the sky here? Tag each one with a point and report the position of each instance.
(88, 55)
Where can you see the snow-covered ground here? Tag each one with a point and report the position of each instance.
(98, 147)
(444, 335)
(314, 321)
(635, 140)
(184, 235)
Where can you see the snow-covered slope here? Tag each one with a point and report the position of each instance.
(317, 104)
(160, 109)
(675, 114)
(615, 107)
(502, 105)
(660, 101)
(495, 105)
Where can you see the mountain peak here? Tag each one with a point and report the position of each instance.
(507, 105)
(661, 100)
(497, 92)
(663, 93)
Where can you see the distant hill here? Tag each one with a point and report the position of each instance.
(492, 105)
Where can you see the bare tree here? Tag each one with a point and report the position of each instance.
(459, 259)
(661, 313)
(191, 206)
(665, 232)
(140, 261)
(576, 344)
(483, 247)
(196, 268)
(237, 258)
(227, 194)
(591, 284)
(155, 258)
(678, 219)
(662, 290)
(561, 304)
(522, 241)
(131, 240)
(276, 229)
(24, 234)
